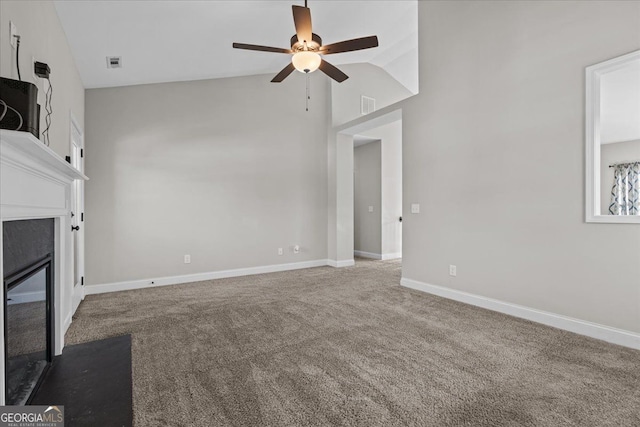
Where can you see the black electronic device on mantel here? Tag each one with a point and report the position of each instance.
(19, 104)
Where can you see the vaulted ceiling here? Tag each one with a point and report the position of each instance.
(162, 41)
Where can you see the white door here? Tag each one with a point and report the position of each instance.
(77, 214)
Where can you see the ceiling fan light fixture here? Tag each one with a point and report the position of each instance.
(306, 61)
(306, 47)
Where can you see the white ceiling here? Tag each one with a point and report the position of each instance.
(162, 41)
(620, 104)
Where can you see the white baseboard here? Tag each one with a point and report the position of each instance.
(67, 323)
(582, 327)
(198, 277)
(27, 297)
(372, 255)
(339, 264)
(364, 254)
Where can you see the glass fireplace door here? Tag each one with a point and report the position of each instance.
(28, 326)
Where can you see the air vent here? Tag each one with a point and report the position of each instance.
(114, 62)
(367, 105)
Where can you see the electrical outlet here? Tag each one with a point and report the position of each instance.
(280, 251)
(452, 270)
(296, 249)
(415, 208)
(370, 208)
(187, 259)
(13, 31)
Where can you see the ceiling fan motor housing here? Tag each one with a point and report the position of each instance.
(313, 45)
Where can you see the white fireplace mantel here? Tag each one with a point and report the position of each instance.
(35, 183)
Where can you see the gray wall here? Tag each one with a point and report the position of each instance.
(493, 149)
(43, 38)
(617, 152)
(225, 170)
(368, 80)
(367, 191)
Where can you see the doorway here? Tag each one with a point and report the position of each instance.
(378, 192)
(375, 191)
(77, 212)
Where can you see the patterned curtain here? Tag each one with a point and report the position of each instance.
(625, 194)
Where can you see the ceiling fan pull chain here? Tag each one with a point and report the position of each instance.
(308, 96)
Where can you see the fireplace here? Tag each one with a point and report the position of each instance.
(35, 188)
(28, 292)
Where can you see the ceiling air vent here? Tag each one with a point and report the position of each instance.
(114, 62)
(367, 105)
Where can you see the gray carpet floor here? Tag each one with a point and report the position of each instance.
(350, 346)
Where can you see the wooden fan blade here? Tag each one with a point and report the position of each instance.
(332, 72)
(283, 74)
(350, 45)
(261, 48)
(302, 21)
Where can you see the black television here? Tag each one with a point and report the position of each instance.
(19, 109)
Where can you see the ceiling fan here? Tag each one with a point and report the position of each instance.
(306, 48)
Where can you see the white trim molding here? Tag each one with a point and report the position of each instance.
(371, 255)
(342, 263)
(593, 74)
(199, 277)
(582, 327)
(363, 254)
(67, 322)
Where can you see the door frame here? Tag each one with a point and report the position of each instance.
(75, 130)
(344, 185)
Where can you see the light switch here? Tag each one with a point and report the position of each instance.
(370, 208)
(415, 208)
